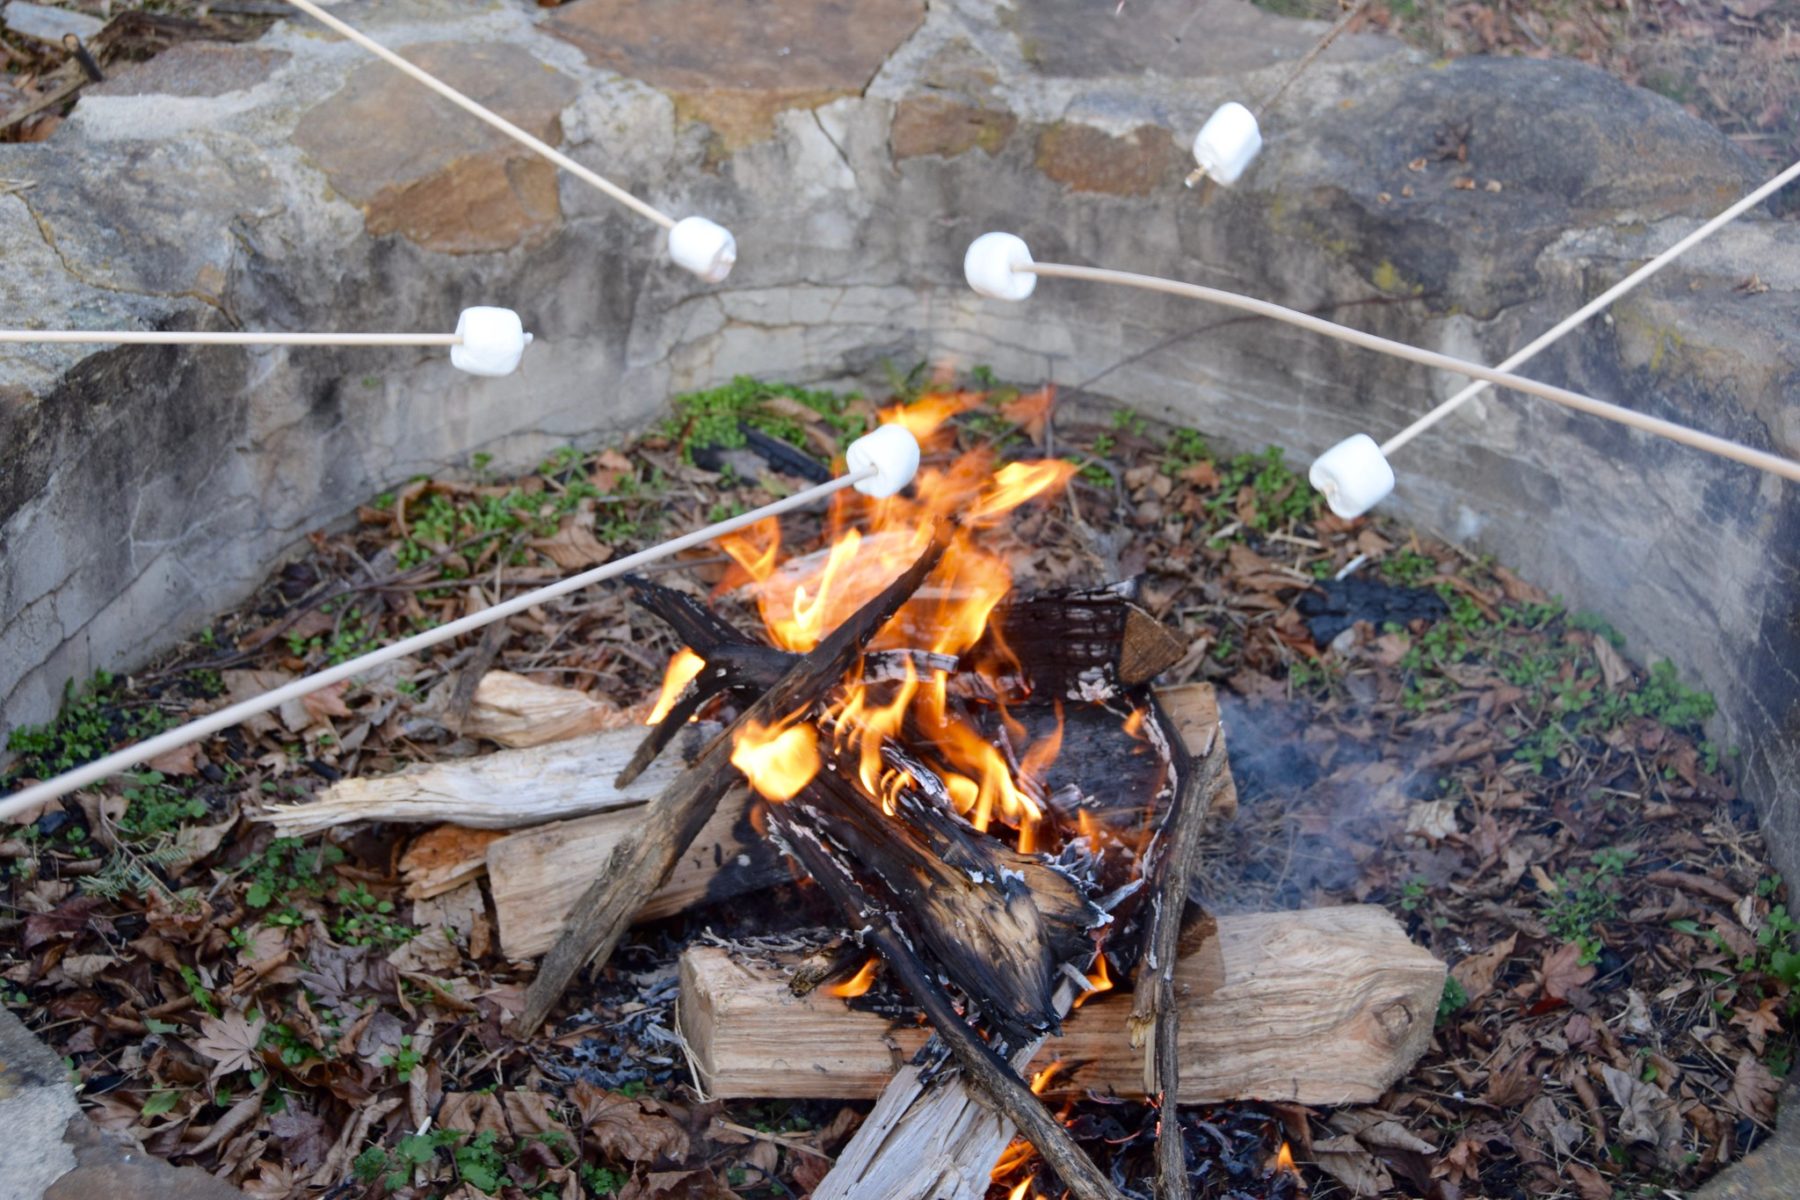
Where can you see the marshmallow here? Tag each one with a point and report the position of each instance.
(493, 341)
(1354, 476)
(989, 264)
(703, 247)
(1228, 143)
(892, 451)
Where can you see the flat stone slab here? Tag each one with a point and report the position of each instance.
(48, 24)
(193, 69)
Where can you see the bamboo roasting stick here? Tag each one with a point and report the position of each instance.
(225, 718)
(641, 865)
(182, 337)
(1762, 460)
(1581, 315)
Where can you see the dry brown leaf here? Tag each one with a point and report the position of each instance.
(472, 1112)
(1614, 671)
(1753, 1090)
(183, 760)
(1347, 1161)
(1646, 1114)
(326, 702)
(247, 685)
(574, 545)
(1562, 971)
(80, 970)
(678, 1185)
(1589, 1183)
(1460, 1162)
(1476, 973)
(1544, 1118)
(1760, 1022)
(230, 1041)
(622, 1128)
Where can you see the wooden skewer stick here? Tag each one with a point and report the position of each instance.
(1762, 460)
(535, 145)
(639, 866)
(181, 337)
(193, 731)
(1582, 314)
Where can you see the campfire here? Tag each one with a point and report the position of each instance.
(1005, 815)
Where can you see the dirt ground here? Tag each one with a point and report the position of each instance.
(1410, 725)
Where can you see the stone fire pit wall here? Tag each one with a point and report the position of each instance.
(856, 146)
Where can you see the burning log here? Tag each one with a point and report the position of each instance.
(537, 875)
(640, 866)
(980, 1062)
(1322, 1006)
(931, 1138)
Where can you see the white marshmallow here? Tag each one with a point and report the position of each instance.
(1228, 143)
(989, 264)
(892, 451)
(1354, 476)
(703, 247)
(493, 341)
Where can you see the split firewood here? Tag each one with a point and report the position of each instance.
(443, 859)
(1325, 1006)
(638, 867)
(504, 790)
(518, 712)
(537, 875)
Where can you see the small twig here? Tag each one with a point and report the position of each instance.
(776, 1138)
(1155, 1015)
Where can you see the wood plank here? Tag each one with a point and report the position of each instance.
(537, 875)
(504, 790)
(1322, 1006)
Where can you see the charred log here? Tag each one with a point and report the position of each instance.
(638, 867)
(979, 1060)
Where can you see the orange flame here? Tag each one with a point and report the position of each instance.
(752, 564)
(1041, 1079)
(778, 762)
(1284, 1160)
(1098, 982)
(802, 599)
(681, 671)
(1019, 1189)
(859, 983)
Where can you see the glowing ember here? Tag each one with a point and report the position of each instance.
(1098, 982)
(777, 762)
(682, 669)
(859, 983)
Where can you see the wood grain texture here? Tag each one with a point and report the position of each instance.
(1323, 1006)
(508, 789)
(537, 875)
